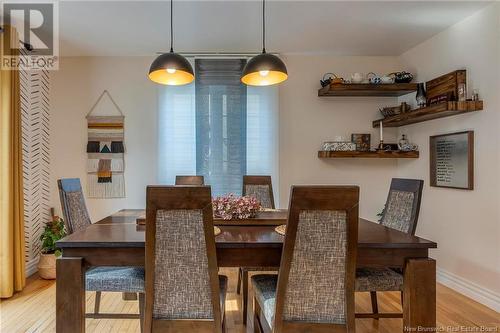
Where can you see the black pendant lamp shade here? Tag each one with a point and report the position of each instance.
(171, 68)
(265, 69)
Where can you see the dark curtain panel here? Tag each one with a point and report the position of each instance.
(221, 128)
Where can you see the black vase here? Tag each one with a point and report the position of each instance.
(421, 95)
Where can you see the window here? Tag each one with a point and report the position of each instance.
(218, 127)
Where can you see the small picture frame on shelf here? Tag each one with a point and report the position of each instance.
(362, 141)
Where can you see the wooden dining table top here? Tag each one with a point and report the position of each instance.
(121, 230)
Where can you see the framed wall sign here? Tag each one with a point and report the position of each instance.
(452, 160)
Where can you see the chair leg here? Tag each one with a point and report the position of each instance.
(256, 312)
(142, 304)
(373, 296)
(238, 287)
(244, 281)
(97, 303)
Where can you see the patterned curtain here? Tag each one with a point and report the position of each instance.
(12, 265)
(221, 124)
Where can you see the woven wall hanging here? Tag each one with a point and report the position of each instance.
(105, 150)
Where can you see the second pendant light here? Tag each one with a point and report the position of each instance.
(265, 69)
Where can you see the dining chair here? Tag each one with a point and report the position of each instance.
(314, 289)
(184, 292)
(261, 188)
(189, 180)
(401, 213)
(99, 279)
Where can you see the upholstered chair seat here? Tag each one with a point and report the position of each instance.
(115, 279)
(379, 279)
(264, 288)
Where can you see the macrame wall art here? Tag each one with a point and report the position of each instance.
(105, 150)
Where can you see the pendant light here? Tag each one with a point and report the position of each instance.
(265, 69)
(171, 68)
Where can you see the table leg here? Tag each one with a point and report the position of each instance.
(70, 295)
(419, 295)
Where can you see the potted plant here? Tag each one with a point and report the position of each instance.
(54, 230)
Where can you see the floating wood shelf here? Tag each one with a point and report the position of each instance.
(435, 111)
(367, 89)
(368, 154)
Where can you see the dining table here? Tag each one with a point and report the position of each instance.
(119, 240)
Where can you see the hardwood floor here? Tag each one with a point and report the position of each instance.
(33, 310)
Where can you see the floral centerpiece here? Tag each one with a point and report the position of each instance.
(231, 207)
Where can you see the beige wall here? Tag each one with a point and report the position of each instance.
(465, 224)
(307, 120)
(75, 88)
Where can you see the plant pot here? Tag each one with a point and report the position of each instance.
(47, 266)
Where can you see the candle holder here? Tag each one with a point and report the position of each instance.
(381, 145)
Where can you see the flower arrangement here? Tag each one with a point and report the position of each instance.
(230, 207)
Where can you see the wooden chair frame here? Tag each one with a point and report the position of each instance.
(407, 185)
(345, 198)
(62, 196)
(98, 294)
(171, 198)
(242, 284)
(190, 180)
(259, 180)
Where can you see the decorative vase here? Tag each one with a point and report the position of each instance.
(421, 95)
(47, 266)
(403, 141)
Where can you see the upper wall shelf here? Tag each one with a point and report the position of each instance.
(367, 89)
(368, 154)
(435, 111)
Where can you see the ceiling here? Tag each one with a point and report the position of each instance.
(123, 28)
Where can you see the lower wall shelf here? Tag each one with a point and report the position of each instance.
(368, 154)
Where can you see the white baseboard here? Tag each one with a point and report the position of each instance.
(31, 267)
(470, 289)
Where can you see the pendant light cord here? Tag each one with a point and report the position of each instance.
(263, 26)
(171, 26)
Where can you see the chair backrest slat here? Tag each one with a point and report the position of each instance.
(403, 205)
(76, 215)
(261, 188)
(318, 264)
(189, 180)
(181, 265)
